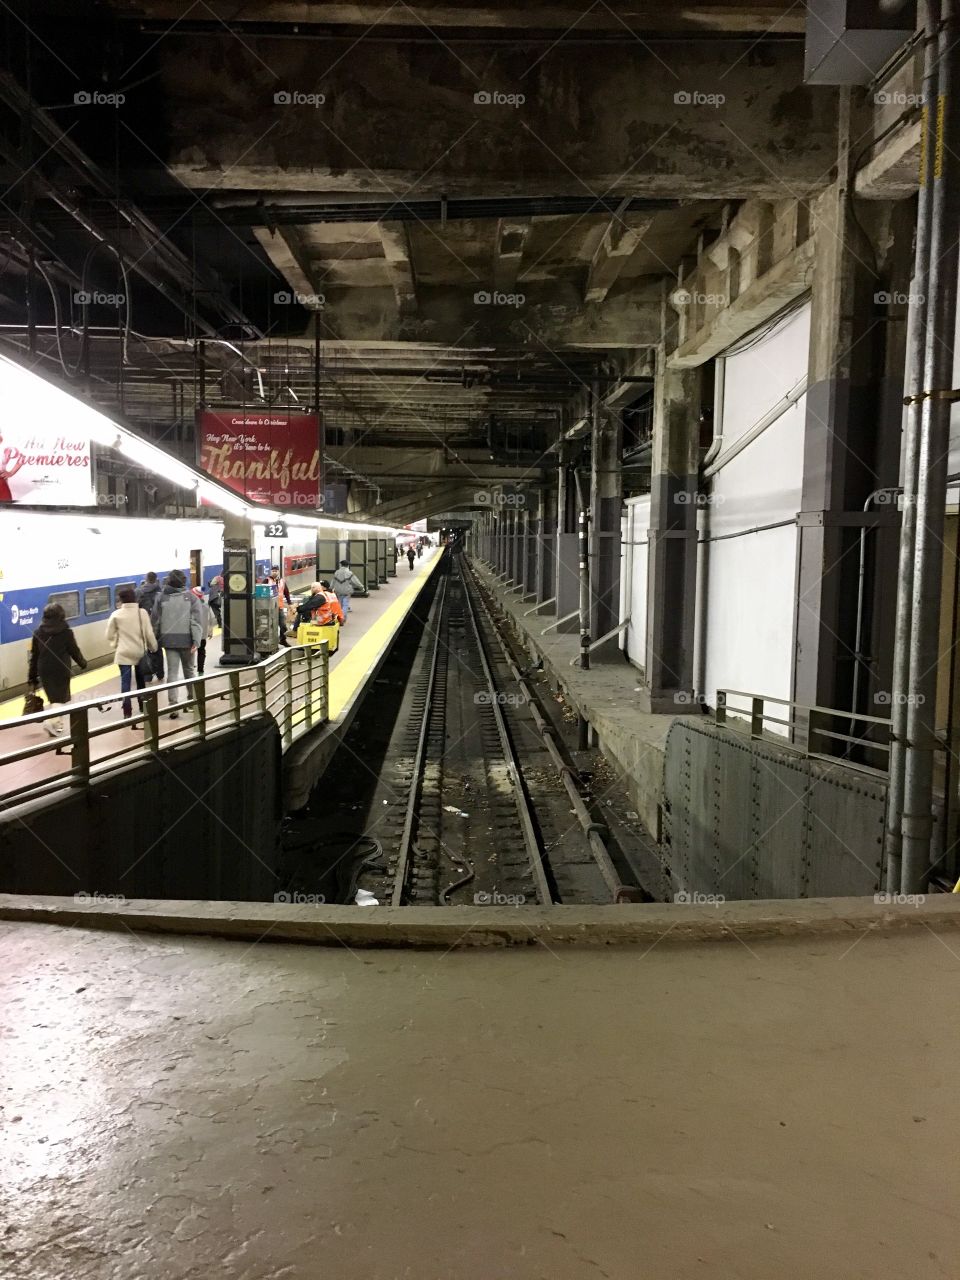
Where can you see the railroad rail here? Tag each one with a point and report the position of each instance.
(472, 811)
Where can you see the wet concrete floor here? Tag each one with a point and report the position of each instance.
(181, 1108)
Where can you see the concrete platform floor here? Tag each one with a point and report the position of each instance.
(186, 1108)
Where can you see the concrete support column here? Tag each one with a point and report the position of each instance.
(239, 577)
(530, 554)
(567, 573)
(672, 549)
(840, 454)
(546, 545)
(605, 502)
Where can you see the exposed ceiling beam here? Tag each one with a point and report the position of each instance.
(620, 238)
(396, 250)
(285, 250)
(510, 239)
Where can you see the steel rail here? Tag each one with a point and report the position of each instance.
(594, 832)
(419, 761)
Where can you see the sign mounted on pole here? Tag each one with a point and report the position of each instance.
(267, 457)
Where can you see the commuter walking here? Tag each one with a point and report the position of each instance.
(54, 647)
(410, 558)
(206, 617)
(283, 600)
(147, 595)
(178, 625)
(148, 591)
(131, 637)
(215, 598)
(345, 582)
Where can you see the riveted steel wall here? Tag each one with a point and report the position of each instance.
(748, 819)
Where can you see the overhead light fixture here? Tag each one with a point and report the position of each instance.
(158, 461)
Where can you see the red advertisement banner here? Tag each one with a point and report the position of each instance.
(271, 458)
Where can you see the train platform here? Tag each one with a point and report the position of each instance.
(372, 624)
(187, 1106)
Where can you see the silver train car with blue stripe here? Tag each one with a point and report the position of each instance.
(81, 561)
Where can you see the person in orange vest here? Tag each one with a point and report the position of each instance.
(330, 609)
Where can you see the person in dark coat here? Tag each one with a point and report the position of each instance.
(148, 591)
(54, 646)
(411, 556)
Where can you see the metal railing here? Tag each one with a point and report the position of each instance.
(805, 729)
(292, 686)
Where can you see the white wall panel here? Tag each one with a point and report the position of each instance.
(635, 577)
(749, 580)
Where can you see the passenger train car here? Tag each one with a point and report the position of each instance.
(81, 561)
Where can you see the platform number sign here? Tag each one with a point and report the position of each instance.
(277, 530)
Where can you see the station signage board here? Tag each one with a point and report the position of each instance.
(45, 465)
(268, 457)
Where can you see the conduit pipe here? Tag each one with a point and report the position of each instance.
(936, 398)
(711, 467)
(916, 346)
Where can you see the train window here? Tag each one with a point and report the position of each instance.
(122, 586)
(70, 601)
(96, 600)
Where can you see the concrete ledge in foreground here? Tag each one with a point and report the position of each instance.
(448, 927)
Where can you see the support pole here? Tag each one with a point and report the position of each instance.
(932, 468)
(584, 566)
(917, 328)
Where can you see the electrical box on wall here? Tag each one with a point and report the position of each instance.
(849, 41)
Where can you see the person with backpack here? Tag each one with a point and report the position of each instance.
(345, 582)
(148, 591)
(53, 648)
(130, 634)
(206, 615)
(178, 626)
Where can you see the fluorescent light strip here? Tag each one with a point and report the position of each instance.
(30, 394)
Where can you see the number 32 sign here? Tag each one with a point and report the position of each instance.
(277, 530)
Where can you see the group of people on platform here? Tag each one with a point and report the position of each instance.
(160, 631)
(329, 599)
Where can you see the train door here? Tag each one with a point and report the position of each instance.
(196, 568)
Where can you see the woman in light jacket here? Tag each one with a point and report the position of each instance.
(130, 633)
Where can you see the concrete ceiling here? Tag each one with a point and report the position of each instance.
(464, 213)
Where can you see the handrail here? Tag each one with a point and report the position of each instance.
(801, 724)
(558, 621)
(292, 687)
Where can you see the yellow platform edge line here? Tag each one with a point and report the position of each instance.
(346, 676)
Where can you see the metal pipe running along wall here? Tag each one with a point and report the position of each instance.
(935, 402)
(911, 444)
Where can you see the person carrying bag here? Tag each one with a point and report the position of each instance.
(130, 633)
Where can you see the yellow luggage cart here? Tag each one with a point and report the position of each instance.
(313, 633)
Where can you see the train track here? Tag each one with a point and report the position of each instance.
(475, 804)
